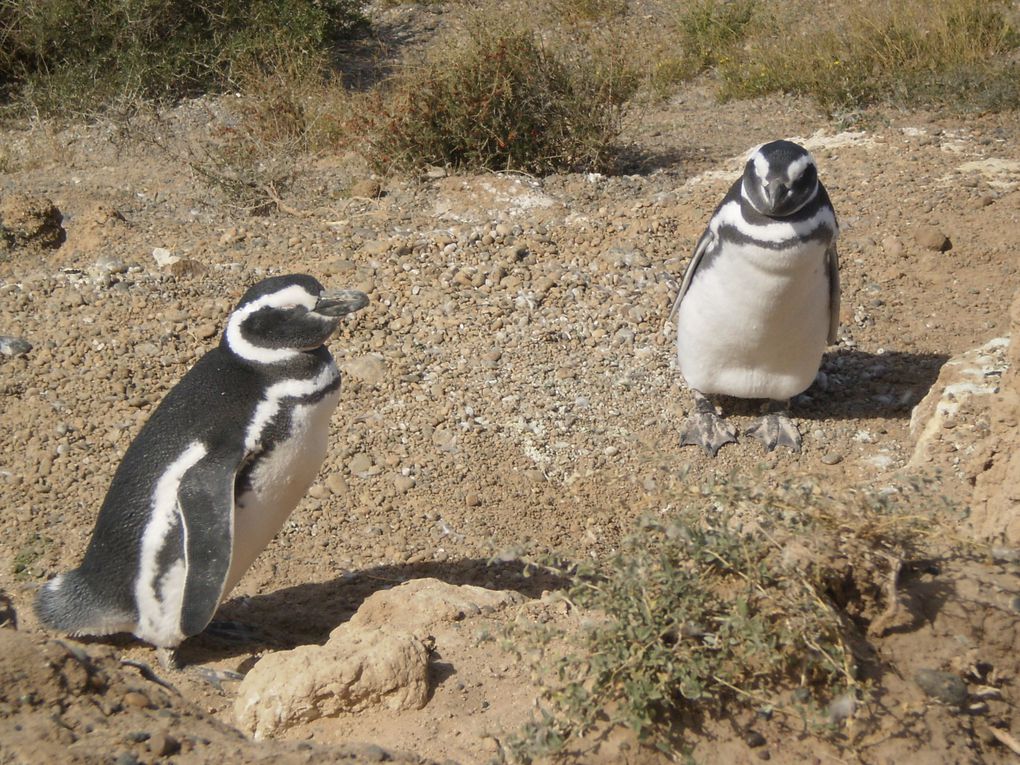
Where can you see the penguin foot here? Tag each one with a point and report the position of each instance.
(170, 661)
(216, 677)
(776, 430)
(707, 430)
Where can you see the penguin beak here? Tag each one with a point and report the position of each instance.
(774, 192)
(339, 303)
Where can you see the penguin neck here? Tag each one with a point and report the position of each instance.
(298, 365)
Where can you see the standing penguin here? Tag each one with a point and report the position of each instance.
(213, 474)
(759, 300)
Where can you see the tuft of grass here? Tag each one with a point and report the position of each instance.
(740, 599)
(910, 52)
(66, 56)
(575, 11)
(710, 30)
(499, 97)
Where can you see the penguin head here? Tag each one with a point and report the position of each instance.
(284, 316)
(779, 178)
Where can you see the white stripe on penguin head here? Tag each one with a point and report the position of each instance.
(292, 295)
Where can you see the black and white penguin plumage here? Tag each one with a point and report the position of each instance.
(214, 472)
(759, 300)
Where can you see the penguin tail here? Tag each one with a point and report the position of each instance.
(67, 604)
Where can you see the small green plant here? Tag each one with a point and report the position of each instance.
(498, 97)
(955, 53)
(65, 56)
(731, 602)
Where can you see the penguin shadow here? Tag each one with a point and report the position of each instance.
(306, 613)
(854, 384)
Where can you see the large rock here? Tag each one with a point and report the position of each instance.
(379, 658)
(355, 670)
(995, 504)
(969, 424)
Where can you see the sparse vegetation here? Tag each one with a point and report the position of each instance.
(500, 97)
(66, 56)
(914, 53)
(737, 600)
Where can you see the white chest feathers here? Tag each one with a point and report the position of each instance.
(278, 481)
(754, 321)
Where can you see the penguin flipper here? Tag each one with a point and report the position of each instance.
(706, 239)
(832, 271)
(206, 497)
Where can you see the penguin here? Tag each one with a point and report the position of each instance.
(212, 475)
(759, 300)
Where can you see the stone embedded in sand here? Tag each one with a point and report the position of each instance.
(931, 238)
(370, 368)
(976, 373)
(355, 670)
(995, 503)
(378, 658)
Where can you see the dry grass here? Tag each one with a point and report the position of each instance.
(911, 52)
(498, 96)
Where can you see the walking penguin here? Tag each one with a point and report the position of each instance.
(213, 474)
(759, 300)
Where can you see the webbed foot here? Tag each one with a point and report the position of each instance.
(704, 428)
(776, 430)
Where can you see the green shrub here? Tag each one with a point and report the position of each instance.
(911, 52)
(498, 97)
(742, 599)
(65, 56)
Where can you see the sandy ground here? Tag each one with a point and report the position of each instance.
(511, 387)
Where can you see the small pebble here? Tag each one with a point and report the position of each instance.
(14, 346)
(944, 686)
(471, 499)
(832, 458)
(136, 699)
(932, 238)
(163, 745)
(754, 739)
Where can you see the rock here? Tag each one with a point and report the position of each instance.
(754, 739)
(185, 268)
(360, 463)
(832, 458)
(164, 257)
(974, 373)
(14, 346)
(367, 187)
(995, 502)
(205, 331)
(403, 483)
(336, 484)
(370, 368)
(377, 658)
(944, 686)
(27, 219)
(355, 670)
(932, 238)
(163, 745)
(418, 605)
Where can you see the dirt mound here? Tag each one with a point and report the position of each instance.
(63, 702)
